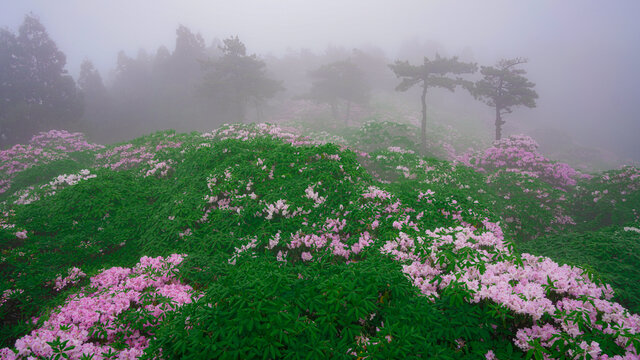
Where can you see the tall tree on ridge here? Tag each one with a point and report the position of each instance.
(432, 73)
(504, 87)
(38, 94)
(238, 80)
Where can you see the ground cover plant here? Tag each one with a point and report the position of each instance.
(254, 241)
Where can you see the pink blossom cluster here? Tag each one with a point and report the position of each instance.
(376, 193)
(70, 179)
(26, 196)
(329, 240)
(246, 247)
(5, 219)
(246, 132)
(280, 207)
(124, 157)
(313, 195)
(63, 140)
(6, 223)
(524, 287)
(625, 180)
(405, 171)
(112, 292)
(161, 168)
(74, 275)
(518, 153)
(43, 148)
(168, 145)
(7, 294)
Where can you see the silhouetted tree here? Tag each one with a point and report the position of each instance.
(238, 80)
(94, 94)
(37, 93)
(432, 73)
(340, 80)
(504, 87)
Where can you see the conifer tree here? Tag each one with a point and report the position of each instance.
(432, 73)
(503, 87)
(37, 92)
(237, 80)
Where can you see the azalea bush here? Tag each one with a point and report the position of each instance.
(610, 252)
(518, 153)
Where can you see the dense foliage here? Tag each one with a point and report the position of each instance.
(252, 241)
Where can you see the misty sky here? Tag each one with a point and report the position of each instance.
(584, 55)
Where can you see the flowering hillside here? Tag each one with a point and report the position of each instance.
(252, 241)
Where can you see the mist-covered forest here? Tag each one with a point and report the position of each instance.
(339, 180)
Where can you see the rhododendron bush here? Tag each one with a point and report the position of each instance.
(119, 309)
(254, 241)
(519, 153)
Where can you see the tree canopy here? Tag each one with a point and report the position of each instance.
(35, 89)
(503, 87)
(237, 80)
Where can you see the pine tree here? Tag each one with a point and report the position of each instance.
(432, 73)
(37, 93)
(503, 87)
(238, 80)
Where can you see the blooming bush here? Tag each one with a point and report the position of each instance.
(113, 317)
(518, 153)
(44, 147)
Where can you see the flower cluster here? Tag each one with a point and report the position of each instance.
(313, 195)
(531, 286)
(518, 153)
(161, 168)
(251, 131)
(43, 148)
(90, 322)
(7, 294)
(27, 196)
(74, 276)
(124, 157)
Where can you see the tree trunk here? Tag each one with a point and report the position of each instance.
(346, 119)
(423, 135)
(499, 123)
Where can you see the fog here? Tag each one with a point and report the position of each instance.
(583, 55)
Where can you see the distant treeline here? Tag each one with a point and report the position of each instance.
(199, 86)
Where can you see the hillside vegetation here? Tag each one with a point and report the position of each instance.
(255, 241)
